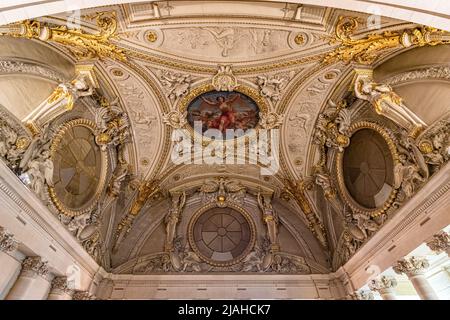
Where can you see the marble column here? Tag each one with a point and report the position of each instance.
(439, 243)
(414, 268)
(362, 295)
(60, 289)
(10, 267)
(33, 282)
(384, 286)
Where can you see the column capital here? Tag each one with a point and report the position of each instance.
(7, 241)
(362, 295)
(440, 242)
(382, 283)
(35, 265)
(60, 284)
(411, 266)
(82, 295)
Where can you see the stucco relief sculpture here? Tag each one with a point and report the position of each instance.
(172, 218)
(412, 170)
(224, 80)
(222, 190)
(434, 143)
(270, 120)
(263, 259)
(272, 87)
(228, 41)
(112, 124)
(68, 92)
(37, 166)
(270, 218)
(12, 145)
(387, 103)
(176, 85)
(175, 119)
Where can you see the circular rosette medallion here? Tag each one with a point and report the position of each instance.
(79, 168)
(222, 236)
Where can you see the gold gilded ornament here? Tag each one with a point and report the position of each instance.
(151, 36)
(366, 50)
(81, 44)
(299, 39)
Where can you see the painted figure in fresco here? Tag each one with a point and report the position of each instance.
(227, 117)
(222, 111)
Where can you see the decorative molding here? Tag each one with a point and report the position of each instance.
(22, 67)
(224, 80)
(429, 73)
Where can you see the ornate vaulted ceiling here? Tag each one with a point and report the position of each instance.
(297, 63)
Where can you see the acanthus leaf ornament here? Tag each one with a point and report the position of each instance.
(366, 50)
(411, 265)
(81, 44)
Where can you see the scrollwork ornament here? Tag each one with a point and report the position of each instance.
(175, 119)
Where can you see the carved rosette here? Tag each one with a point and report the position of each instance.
(7, 241)
(411, 266)
(383, 283)
(440, 242)
(35, 265)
